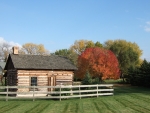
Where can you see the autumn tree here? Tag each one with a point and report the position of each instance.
(127, 53)
(80, 45)
(99, 63)
(34, 49)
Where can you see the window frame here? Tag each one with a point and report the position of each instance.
(35, 80)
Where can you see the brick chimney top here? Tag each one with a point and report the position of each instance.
(15, 50)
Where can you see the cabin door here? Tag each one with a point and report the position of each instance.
(51, 82)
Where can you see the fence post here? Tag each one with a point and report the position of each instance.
(79, 92)
(97, 90)
(33, 92)
(113, 90)
(60, 93)
(7, 93)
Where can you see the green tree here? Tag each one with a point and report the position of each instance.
(127, 53)
(87, 80)
(67, 53)
(98, 44)
(140, 76)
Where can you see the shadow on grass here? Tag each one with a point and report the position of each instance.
(121, 90)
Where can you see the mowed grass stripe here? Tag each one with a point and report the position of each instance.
(38, 108)
(54, 107)
(89, 106)
(72, 107)
(101, 108)
(66, 108)
(135, 107)
(8, 107)
(109, 106)
(23, 107)
(137, 102)
(141, 97)
(112, 103)
(125, 100)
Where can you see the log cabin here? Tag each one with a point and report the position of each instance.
(38, 70)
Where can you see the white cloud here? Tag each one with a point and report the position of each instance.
(147, 29)
(148, 23)
(147, 26)
(11, 44)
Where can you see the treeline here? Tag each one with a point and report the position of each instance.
(139, 76)
(112, 59)
(99, 62)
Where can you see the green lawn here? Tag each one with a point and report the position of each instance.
(125, 100)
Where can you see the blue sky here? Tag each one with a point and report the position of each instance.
(58, 23)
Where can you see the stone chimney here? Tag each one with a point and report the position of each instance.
(15, 50)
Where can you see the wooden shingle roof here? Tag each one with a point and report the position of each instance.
(52, 62)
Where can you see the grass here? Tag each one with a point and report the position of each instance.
(125, 100)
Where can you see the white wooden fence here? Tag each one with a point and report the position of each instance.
(59, 92)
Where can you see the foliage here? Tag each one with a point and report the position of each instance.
(98, 44)
(5, 49)
(141, 75)
(62, 89)
(87, 80)
(127, 53)
(99, 63)
(67, 53)
(80, 45)
(34, 49)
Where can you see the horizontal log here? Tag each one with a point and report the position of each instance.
(64, 77)
(43, 82)
(42, 78)
(44, 71)
(22, 77)
(23, 81)
(64, 80)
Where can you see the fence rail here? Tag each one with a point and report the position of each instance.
(59, 92)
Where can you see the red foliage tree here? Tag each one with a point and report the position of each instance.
(99, 63)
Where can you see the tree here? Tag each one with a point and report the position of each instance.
(98, 44)
(127, 53)
(140, 75)
(34, 49)
(99, 63)
(79, 46)
(5, 49)
(67, 53)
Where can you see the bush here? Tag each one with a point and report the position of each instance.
(87, 79)
(62, 89)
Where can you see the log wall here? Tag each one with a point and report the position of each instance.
(23, 81)
(44, 78)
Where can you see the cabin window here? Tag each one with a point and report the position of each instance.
(33, 82)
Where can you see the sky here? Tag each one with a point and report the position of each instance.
(57, 24)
